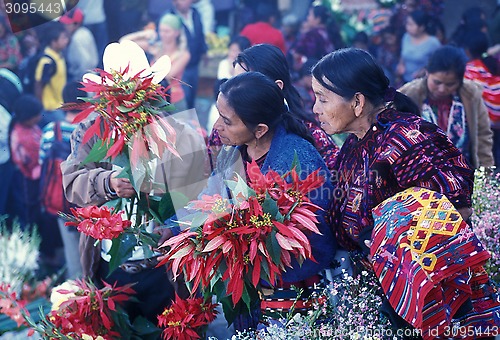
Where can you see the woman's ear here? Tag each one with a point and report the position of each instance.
(280, 83)
(260, 130)
(358, 103)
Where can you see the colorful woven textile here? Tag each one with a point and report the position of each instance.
(429, 263)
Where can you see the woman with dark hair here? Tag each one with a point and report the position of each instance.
(270, 61)
(485, 70)
(416, 46)
(24, 141)
(390, 151)
(454, 104)
(320, 36)
(254, 124)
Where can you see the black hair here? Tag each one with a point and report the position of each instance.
(434, 25)
(351, 70)
(324, 14)
(306, 68)
(257, 99)
(72, 92)
(448, 59)
(24, 108)
(50, 32)
(264, 12)
(269, 60)
(477, 43)
(217, 85)
(473, 18)
(242, 42)
(421, 19)
(361, 37)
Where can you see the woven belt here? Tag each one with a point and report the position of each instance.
(134, 267)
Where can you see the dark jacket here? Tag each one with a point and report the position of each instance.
(195, 40)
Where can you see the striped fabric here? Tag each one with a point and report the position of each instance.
(477, 71)
(429, 263)
(48, 136)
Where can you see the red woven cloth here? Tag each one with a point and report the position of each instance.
(429, 263)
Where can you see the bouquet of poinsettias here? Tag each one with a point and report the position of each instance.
(128, 109)
(233, 244)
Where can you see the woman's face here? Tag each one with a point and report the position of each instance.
(442, 85)
(232, 130)
(412, 28)
(334, 112)
(234, 50)
(167, 33)
(311, 20)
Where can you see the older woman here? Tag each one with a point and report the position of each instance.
(389, 149)
(455, 105)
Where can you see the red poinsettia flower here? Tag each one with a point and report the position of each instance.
(11, 306)
(245, 236)
(88, 310)
(98, 222)
(184, 318)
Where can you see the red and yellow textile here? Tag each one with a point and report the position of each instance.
(429, 263)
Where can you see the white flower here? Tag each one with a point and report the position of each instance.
(57, 297)
(118, 56)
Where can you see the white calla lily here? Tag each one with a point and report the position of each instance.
(118, 56)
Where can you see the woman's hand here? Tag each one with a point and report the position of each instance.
(121, 186)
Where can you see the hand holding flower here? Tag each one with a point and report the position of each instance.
(121, 186)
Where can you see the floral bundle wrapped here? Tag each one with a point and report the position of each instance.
(233, 244)
(184, 319)
(130, 103)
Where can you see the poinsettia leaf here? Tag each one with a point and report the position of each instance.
(97, 153)
(121, 250)
(296, 163)
(239, 187)
(273, 247)
(245, 296)
(143, 327)
(197, 220)
(271, 206)
(124, 109)
(169, 202)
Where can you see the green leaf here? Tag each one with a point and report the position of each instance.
(239, 187)
(169, 202)
(273, 247)
(121, 250)
(197, 220)
(271, 206)
(146, 329)
(246, 297)
(97, 153)
(124, 109)
(296, 163)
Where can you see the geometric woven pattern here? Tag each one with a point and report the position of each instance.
(428, 261)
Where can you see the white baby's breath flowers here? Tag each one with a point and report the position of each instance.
(19, 251)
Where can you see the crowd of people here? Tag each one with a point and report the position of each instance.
(415, 110)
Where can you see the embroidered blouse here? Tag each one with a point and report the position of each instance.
(398, 152)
